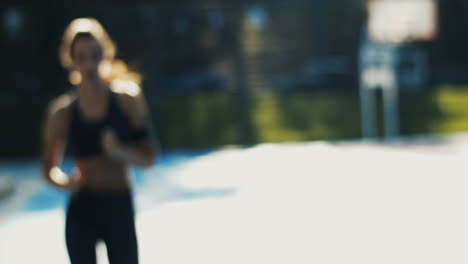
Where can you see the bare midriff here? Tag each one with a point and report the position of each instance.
(103, 174)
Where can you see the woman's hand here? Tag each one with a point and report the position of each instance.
(126, 153)
(75, 181)
(111, 144)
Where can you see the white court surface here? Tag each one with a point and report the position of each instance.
(318, 202)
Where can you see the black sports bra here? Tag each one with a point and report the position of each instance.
(84, 136)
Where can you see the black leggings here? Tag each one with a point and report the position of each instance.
(108, 217)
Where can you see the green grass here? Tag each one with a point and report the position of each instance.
(306, 117)
(453, 104)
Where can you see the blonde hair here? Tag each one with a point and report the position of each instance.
(110, 69)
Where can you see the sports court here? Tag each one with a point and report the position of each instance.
(319, 202)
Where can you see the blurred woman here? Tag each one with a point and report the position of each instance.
(104, 123)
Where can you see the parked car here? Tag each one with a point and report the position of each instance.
(194, 81)
(320, 73)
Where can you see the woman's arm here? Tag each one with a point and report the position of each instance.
(140, 153)
(143, 150)
(54, 143)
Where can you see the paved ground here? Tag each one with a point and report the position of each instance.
(322, 202)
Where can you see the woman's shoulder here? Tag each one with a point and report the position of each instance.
(125, 89)
(128, 93)
(130, 97)
(60, 106)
